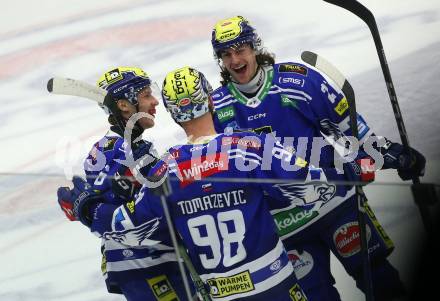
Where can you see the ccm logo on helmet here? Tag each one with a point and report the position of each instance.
(227, 35)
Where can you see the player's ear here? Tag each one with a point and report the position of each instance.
(210, 104)
(126, 108)
(123, 105)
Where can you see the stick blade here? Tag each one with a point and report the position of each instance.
(322, 64)
(309, 57)
(50, 85)
(73, 87)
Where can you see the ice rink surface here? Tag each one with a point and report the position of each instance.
(45, 137)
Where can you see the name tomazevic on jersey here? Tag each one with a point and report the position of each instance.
(211, 201)
(226, 225)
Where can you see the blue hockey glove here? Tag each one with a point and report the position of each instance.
(78, 202)
(408, 166)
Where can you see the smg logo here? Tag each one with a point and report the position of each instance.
(257, 116)
(295, 81)
(225, 114)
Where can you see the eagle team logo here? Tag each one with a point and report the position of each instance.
(301, 194)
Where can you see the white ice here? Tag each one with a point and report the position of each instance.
(45, 137)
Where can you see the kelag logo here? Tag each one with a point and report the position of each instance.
(225, 114)
(289, 220)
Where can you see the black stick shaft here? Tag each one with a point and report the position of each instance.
(312, 59)
(361, 199)
(367, 16)
(176, 248)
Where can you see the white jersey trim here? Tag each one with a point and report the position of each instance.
(146, 262)
(263, 262)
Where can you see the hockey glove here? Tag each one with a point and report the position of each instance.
(407, 165)
(124, 185)
(361, 170)
(77, 203)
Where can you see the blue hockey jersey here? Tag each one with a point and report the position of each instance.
(120, 262)
(223, 221)
(306, 112)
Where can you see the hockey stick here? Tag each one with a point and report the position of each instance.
(424, 194)
(164, 191)
(198, 282)
(73, 87)
(325, 66)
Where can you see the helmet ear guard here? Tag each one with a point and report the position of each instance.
(185, 94)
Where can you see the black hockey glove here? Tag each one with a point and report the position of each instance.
(124, 184)
(78, 201)
(408, 166)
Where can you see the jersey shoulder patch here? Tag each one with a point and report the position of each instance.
(167, 161)
(292, 68)
(159, 169)
(245, 139)
(219, 93)
(110, 144)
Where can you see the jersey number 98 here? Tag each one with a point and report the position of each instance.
(231, 226)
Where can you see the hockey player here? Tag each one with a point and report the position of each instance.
(304, 109)
(225, 225)
(138, 273)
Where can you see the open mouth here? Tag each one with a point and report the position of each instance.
(152, 112)
(240, 69)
